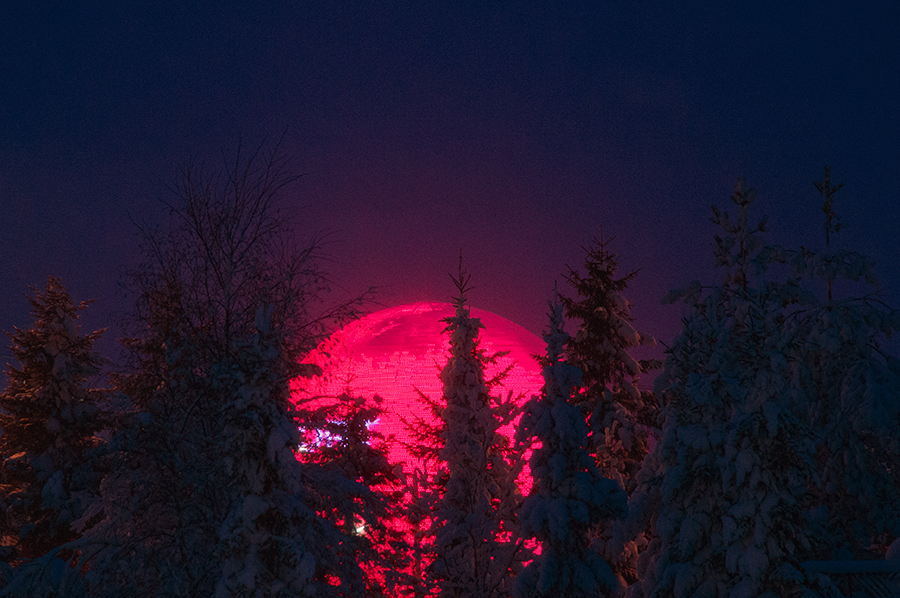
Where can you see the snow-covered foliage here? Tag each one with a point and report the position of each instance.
(618, 411)
(48, 419)
(271, 542)
(154, 528)
(778, 444)
(204, 494)
(427, 481)
(570, 498)
(735, 459)
(45, 577)
(854, 403)
(852, 391)
(621, 417)
(218, 507)
(476, 552)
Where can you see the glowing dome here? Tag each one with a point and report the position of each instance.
(395, 351)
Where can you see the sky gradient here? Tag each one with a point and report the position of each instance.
(509, 130)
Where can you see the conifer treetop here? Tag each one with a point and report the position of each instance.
(45, 396)
(606, 332)
(49, 419)
(832, 224)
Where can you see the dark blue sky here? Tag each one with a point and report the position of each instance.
(510, 130)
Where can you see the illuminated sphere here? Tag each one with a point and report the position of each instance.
(395, 351)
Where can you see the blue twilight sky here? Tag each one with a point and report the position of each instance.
(512, 130)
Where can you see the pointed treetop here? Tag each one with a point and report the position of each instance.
(55, 330)
(741, 243)
(831, 225)
(462, 328)
(461, 282)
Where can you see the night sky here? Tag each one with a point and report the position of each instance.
(510, 130)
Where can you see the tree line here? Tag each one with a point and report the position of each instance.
(769, 439)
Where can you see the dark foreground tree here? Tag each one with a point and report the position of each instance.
(272, 541)
(49, 418)
(851, 389)
(205, 495)
(476, 546)
(735, 458)
(570, 498)
(621, 417)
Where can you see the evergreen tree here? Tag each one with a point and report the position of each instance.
(622, 417)
(208, 428)
(426, 483)
(272, 542)
(570, 498)
(336, 436)
(49, 418)
(735, 458)
(424, 489)
(476, 553)
(851, 388)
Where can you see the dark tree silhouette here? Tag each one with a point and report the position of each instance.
(49, 418)
(205, 493)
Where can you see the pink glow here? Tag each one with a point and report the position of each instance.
(395, 351)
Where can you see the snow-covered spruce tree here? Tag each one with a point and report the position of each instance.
(736, 460)
(272, 542)
(476, 549)
(226, 250)
(48, 418)
(426, 483)
(621, 417)
(852, 389)
(570, 498)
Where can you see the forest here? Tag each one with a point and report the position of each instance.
(768, 443)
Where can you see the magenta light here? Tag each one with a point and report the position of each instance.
(395, 351)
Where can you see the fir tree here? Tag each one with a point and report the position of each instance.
(272, 541)
(475, 550)
(735, 456)
(49, 418)
(570, 497)
(851, 389)
(425, 484)
(622, 417)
